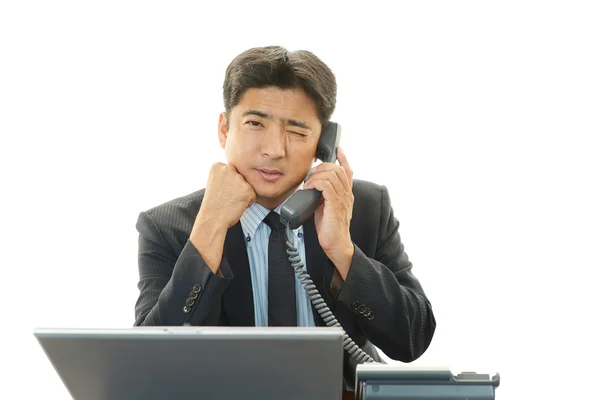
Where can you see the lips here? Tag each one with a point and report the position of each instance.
(270, 171)
(270, 175)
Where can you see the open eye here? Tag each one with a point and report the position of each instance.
(255, 124)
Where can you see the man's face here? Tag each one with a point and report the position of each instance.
(271, 140)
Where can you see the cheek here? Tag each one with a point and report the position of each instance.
(237, 149)
(303, 160)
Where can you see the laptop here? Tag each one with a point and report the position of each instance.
(197, 362)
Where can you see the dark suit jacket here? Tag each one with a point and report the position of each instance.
(380, 303)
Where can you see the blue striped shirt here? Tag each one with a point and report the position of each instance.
(257, 245)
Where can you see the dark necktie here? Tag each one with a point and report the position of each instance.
(282, 283)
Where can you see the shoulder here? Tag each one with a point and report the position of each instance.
(185, 201)
(370, 215)
(370, 199)
(367, 193)
(180, 210)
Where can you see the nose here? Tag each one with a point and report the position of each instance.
(273, 143)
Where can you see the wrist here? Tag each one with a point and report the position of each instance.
(208, 237)
(208, 220)
(342, 259)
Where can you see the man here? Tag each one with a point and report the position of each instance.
(210, 258)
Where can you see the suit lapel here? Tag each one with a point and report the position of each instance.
(238, 301)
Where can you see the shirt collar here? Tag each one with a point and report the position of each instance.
(254, 216)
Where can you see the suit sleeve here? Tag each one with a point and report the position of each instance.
(388, 301)
(175, 289)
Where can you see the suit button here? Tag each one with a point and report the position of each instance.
(193, 295)
(189, 302)
(355, 305)
(187, 309)
(362, 309)
(197, 288)
(370, 315)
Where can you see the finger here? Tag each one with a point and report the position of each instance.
(231, 167)
(330, 176)
(251, 192)
(325, 187)
(340, 172)
(252, 195)
(345, 164)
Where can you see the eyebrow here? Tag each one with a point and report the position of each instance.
(292, 122)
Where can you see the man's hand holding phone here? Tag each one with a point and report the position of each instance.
(332, 217)
(226, 197)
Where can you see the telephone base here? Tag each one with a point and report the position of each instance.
(389, 381)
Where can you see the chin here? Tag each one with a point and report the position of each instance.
(269, 194)
(273, 193)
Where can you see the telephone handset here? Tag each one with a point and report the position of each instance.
(302, 204)
(295, 212)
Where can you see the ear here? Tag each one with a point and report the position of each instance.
(223, 128)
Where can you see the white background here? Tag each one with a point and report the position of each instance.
(481, 118)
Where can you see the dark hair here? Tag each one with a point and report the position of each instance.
(261, 67)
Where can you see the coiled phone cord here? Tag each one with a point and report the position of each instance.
(319, 303)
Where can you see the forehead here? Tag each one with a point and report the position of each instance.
(281, 103)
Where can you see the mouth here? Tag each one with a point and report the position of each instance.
(270, 175)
